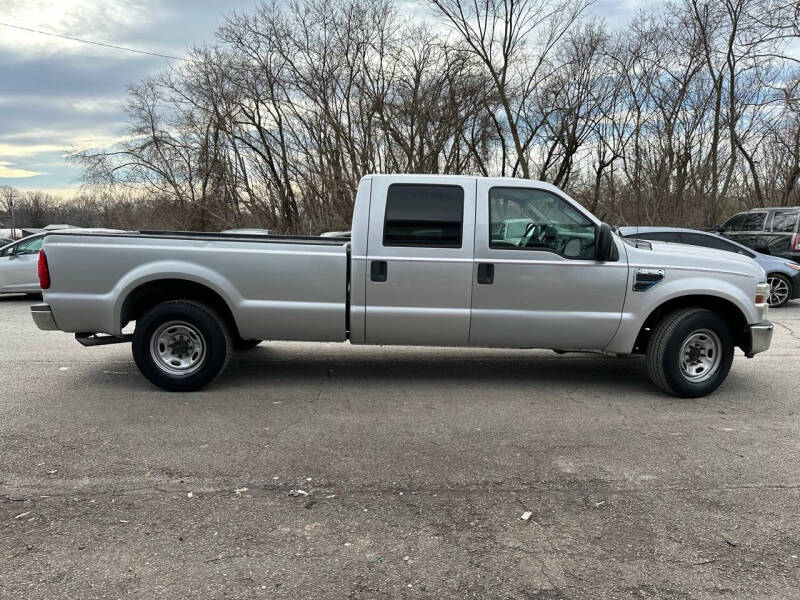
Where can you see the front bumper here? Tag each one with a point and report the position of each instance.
(43, 317)
(760, 337)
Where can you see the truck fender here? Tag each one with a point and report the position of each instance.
(171, 269)
(640, 305)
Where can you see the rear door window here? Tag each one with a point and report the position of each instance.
(424, 215)
(784, 222)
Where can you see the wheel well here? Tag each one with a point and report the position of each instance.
(724, 308)
(152, 293)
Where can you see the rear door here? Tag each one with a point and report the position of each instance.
(546, 290)
(419, 260)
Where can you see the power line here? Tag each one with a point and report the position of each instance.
(105, 45)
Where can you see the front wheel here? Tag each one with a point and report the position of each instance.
(780, 290)
(690, 353)
(181, 346)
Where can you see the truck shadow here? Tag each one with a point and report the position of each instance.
(398, 367)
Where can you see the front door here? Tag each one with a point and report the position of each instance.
(419, 261)
(536, 283)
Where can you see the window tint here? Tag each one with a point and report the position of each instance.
(784, 222)
(527, 219)
(734, 223)
(424, 215)
(754, 221)
(712, 241)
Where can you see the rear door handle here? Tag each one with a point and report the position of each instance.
(378, 270)
(485, 273)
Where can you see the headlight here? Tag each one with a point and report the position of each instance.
(793, 265)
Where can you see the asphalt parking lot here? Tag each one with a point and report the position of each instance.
(418, 464)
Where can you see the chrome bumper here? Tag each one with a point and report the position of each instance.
(760, 338)
(43, 317)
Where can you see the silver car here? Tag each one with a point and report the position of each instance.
(18, 266)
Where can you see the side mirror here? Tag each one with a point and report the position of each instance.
(604, 243)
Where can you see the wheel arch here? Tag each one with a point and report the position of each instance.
(729, 311)
(151, 293)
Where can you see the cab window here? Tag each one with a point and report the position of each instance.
(424, 215)
(529, 219)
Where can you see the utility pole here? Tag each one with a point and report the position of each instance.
(13, 221)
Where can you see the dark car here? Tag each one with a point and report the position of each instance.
(5, 241)
(783, 275)
(768, 230)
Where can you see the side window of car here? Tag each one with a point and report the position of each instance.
(712, 241)
(30, 246)
(533, 219)
(424, 215)
(784, 222)
(754, 221)
(734, 223)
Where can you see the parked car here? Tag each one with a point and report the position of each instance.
(422, 269)
(5, 242)
(783, 275)
(336, 234)
(768, 230)
(18, 263)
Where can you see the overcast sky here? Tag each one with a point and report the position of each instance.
(57, 94)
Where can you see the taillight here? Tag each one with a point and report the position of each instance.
(796, 242)
(44, 271)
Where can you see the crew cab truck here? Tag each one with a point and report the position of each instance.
(428, 264)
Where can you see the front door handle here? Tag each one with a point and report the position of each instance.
(378, 270)
(485, 273)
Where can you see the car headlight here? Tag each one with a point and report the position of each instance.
(793, 265)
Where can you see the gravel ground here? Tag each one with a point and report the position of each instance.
(418, 464)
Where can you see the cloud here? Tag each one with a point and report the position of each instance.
(6, 172)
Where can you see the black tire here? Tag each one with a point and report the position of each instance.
(664, 352)
(240, 344)
(784, 295)
(215, 342)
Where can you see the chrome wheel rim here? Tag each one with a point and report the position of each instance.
(701, 355)
(178, 348)
(778, 291)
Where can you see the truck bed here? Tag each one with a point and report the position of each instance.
(277, 287)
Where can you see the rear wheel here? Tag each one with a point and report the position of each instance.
(780, 290)
(690, 353)
(181, 346)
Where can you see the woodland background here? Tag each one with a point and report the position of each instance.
(685, 115)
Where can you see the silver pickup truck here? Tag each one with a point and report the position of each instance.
(433, 260)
